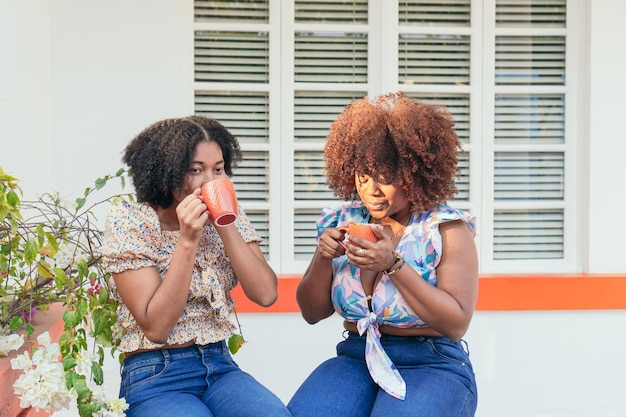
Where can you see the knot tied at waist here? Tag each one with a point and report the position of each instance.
(379, 365)
(371, 320)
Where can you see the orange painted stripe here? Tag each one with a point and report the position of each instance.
(497, 293)
(552, 292)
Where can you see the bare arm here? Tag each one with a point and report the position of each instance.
(448, 307)
(256, 277)
(313, 293)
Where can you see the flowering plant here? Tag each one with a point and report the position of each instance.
(49, 253)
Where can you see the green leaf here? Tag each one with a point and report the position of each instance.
(69, 377)
(30, 251)
(81, 308)
(88, 409)
(82, 268)
(103, 339)
(3, 214)
(41, 235)
(16, 323)
(30, 329)
(53, 245)
(80, 202)
(235, 342)
(60, 279)
(13, 199)
(70, 318)
(80, 385)
(96, 371)
(100, 182)
(102, 297)
(43, 271)
(68, 363)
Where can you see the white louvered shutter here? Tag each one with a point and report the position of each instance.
(331, 52)
(529, 131)
(434, 64)
(232, 85)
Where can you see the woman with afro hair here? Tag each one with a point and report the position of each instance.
(173, 271)
(407, 297)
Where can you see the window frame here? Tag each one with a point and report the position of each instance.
(481, 91)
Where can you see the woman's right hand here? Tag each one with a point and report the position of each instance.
(313, 293)
(192, 216)
(331, 244)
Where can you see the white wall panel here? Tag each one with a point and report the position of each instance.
(607, 137)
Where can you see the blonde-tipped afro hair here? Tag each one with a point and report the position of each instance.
(394, 139)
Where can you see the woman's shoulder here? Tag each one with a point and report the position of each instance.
(445, 213)
(344, 213)
(131, 214)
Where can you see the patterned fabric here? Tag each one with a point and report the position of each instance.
(421, 248)
(134, 239)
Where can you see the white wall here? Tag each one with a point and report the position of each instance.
(607, 136)
(79, 78)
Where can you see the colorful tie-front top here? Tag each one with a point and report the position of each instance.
(134, 239)
(420, 246)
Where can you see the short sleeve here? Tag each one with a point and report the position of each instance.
(245, 228)
(446, 214)
(129, 237)
(337, 217)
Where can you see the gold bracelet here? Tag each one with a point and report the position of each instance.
(396, 258)
(395, 271)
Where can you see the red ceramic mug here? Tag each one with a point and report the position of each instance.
(221, 201)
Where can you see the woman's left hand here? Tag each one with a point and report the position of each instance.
(374, 256)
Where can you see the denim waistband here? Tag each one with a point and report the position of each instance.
(173, 353)
(392, 337)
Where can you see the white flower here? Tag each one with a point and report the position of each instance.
(44, 339)
(98, 395)
(115, 407)
(64, 256)
(42, 385)
(84, 361)
(10, 342)
(21, 361)
(69, 254)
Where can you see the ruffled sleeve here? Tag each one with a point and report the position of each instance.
(443, 215)
(129, 237)
(245, 228)
(337, 217)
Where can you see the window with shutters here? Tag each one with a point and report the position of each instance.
(277, 73)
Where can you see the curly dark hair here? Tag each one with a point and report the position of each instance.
(159, 157)
(394, 138)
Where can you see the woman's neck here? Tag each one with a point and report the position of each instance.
(167, 218)
(397, 222)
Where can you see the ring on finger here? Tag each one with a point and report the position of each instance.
(360, 252)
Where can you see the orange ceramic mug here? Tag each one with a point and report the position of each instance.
(362, 230)
(221, 201)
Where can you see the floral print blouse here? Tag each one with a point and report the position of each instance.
(134, 239)
(420, 246)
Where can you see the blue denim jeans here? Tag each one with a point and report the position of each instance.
(437, 371)
(195, 381)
